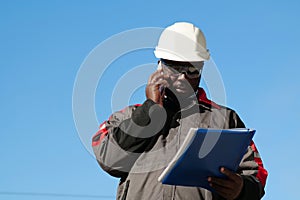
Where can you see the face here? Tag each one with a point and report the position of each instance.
(183, 77)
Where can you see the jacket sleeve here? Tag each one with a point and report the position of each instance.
(127, 133)
(251, 168)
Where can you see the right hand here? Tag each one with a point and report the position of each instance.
(154, 90)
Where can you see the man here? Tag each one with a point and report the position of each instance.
(137, 143)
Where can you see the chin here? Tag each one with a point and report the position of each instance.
(183, 92)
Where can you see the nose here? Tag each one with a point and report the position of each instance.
(181, 76)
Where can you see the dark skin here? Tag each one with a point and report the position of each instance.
(181, 86)
(230, 187)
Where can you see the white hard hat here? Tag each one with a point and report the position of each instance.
(182, 41)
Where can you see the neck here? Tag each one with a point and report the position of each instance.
(178, 102)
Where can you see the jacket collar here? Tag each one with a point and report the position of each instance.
(201, 95)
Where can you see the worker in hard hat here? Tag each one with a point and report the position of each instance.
(137, 143)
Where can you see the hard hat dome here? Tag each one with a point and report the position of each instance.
(182, 41)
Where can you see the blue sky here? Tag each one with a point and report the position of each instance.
(43, 44)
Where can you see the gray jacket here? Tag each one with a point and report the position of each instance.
(137, 143)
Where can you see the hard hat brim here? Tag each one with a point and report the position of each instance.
(169, 55)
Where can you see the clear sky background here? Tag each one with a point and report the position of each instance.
(255, 45)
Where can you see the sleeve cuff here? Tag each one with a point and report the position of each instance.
(141, 114)
(252, 189)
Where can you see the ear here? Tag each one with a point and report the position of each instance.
(159, 67)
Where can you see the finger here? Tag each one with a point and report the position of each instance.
(158, 80)
(150, 78)
(225, 171)
(155, 77)
(162, 82)
(221, 182)
(231, 175)
(157, 72)
(224, 192)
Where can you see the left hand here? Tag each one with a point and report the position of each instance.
(229, 188)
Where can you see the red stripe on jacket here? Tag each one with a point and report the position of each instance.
(102, 132)
(262, 172)
(202, 98)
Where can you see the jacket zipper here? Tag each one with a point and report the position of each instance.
(125, 190)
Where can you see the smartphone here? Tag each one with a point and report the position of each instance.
(170, 99)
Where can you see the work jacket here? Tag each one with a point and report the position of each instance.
(136, 144)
